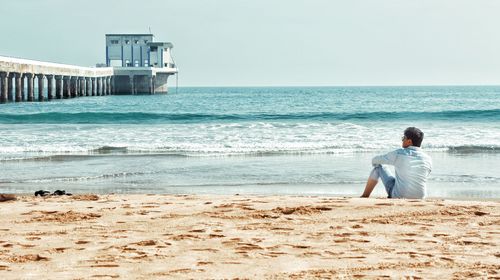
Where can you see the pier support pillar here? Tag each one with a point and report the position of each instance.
(58, 86)
(77, 87)
(82, 86)
(87, 86)
(108, 87)
(23, 91)
(40, 87)
(66, 86)
(154, 84)
(74, 87)
(10, 87)
(99, 86)
(19, 87)
(112, 84)
(50, 87)
(103, 86)
(93, 86)
(151, 88)
(30, 78)
(132, 84)
(3, 87)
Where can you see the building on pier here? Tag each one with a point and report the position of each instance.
(140, 65)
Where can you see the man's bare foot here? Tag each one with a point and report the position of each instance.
(7, 197)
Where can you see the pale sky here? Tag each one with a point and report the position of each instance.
(274, 42)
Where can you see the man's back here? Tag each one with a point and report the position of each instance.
(412, 167)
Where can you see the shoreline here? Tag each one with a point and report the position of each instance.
(433, 198)
(154, 236)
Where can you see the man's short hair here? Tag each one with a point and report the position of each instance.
(416, 135)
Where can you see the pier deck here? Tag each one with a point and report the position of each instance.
(70, 81)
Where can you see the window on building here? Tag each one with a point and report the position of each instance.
(146, 41)
(114, 42)
(136, 42)
(127, 42)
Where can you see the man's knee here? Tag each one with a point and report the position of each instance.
(375, 173)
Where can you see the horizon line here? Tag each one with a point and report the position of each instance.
(317, 86)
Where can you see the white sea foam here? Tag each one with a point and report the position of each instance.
(235, 139)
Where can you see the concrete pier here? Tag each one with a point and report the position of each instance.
(58, 81)
(70, 81)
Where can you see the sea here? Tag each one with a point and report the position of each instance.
(250, 140)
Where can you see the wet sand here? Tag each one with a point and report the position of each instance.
(254, 237)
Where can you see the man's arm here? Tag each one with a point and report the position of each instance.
(389, 158)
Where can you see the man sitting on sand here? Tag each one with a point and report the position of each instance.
(411, 164)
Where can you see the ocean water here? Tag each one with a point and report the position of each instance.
(291, 140)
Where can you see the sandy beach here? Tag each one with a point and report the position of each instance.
(247, 237)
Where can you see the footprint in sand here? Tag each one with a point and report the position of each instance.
(245, 247)
(282, 228)
(447, 259)
(216, 235)
(61, 249)
(300, 246)
(105, 265)
(27, 258)
(203, 263)
(184, 236)
(232, 241)
(205, 250)
(105, 276)
(146, 243)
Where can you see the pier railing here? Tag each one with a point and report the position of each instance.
(70, 81)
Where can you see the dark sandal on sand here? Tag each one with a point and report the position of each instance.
(42, 193)
(61, 192)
